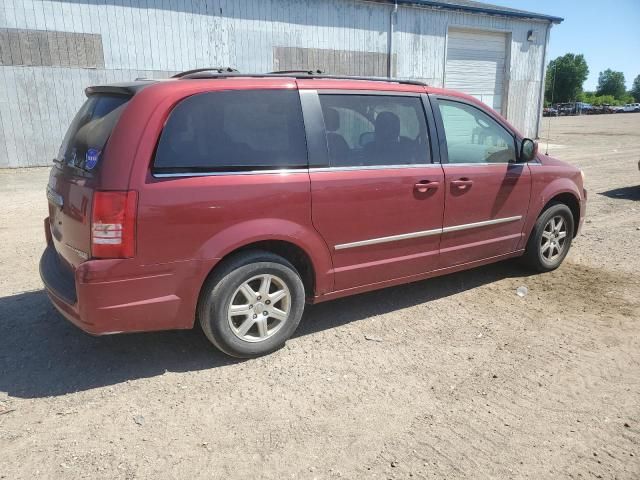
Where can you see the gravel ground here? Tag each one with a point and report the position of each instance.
(454, 377)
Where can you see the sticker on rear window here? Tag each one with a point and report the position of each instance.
(91, 159)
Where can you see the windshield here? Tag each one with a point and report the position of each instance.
(90, 129)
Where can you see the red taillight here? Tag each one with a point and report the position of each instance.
(113, 224)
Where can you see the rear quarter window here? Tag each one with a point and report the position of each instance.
(233, 131)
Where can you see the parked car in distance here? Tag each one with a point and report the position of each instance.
(617, 109)
(232, 200)
(582, 108)
(575, 108)
(631, 107)
(606, 108)
(566, 108)
(549, 112)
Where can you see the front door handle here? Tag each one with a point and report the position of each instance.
(425, 185)
(462, 184)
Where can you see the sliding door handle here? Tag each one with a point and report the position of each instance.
(462, 184)
(424, 186)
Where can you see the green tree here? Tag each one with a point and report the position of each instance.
(635, 89)
(626, 98)
(570, 72)
(611, 83)
(587, 97)
(593, 99)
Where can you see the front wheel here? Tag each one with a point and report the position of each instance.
(252, 304)
(550, 239)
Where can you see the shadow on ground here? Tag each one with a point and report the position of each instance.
(624, 193)
(41, 354)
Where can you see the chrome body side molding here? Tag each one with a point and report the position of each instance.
(392, 238)
(426, 233)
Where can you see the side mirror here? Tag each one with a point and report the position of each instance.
(528, 150)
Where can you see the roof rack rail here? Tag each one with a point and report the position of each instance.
(204, 74)
(208, 69)
(290, 72)
(366, 78)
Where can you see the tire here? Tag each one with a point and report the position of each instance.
(240, 282)
(544, 257)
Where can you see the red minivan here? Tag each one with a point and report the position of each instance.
(233, 199)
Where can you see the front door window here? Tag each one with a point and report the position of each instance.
(473, 136)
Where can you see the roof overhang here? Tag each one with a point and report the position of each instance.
(477, 7)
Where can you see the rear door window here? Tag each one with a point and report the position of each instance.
(240, 130)
(90, 129)
(375, 130)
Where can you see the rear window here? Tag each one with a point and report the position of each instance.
(90, 129)
(234, 131)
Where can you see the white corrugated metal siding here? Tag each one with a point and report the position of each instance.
(157, 37)
(476, 64)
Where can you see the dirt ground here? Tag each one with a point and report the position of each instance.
(455, 377)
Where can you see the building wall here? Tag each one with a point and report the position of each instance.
(50, 50)
(424, 33)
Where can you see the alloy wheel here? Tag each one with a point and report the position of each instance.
(259, 308)
(554, 238)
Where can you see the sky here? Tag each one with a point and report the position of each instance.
(607, 33)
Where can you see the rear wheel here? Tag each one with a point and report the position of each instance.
(550, 239)
(252, 304)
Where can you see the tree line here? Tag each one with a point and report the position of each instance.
(567, 74)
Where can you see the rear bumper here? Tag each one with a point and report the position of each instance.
(99, 299)
(58, 280)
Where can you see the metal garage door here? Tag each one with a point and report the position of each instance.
(476, 65)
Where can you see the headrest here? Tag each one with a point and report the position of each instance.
(387, 126)
(331, 119)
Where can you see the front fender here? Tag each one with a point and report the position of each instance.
(245, 233)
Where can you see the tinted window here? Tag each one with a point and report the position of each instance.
(90, 129)
(234, 130)
(370, 130)
(473, 136)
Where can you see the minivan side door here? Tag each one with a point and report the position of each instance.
(486, 192)
(377, 194)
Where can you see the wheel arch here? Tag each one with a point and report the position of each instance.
(291, 252)
(288, 250)
(295, 242)
(299, 244)
(571, 201)
(563, 190)
(534, 253)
